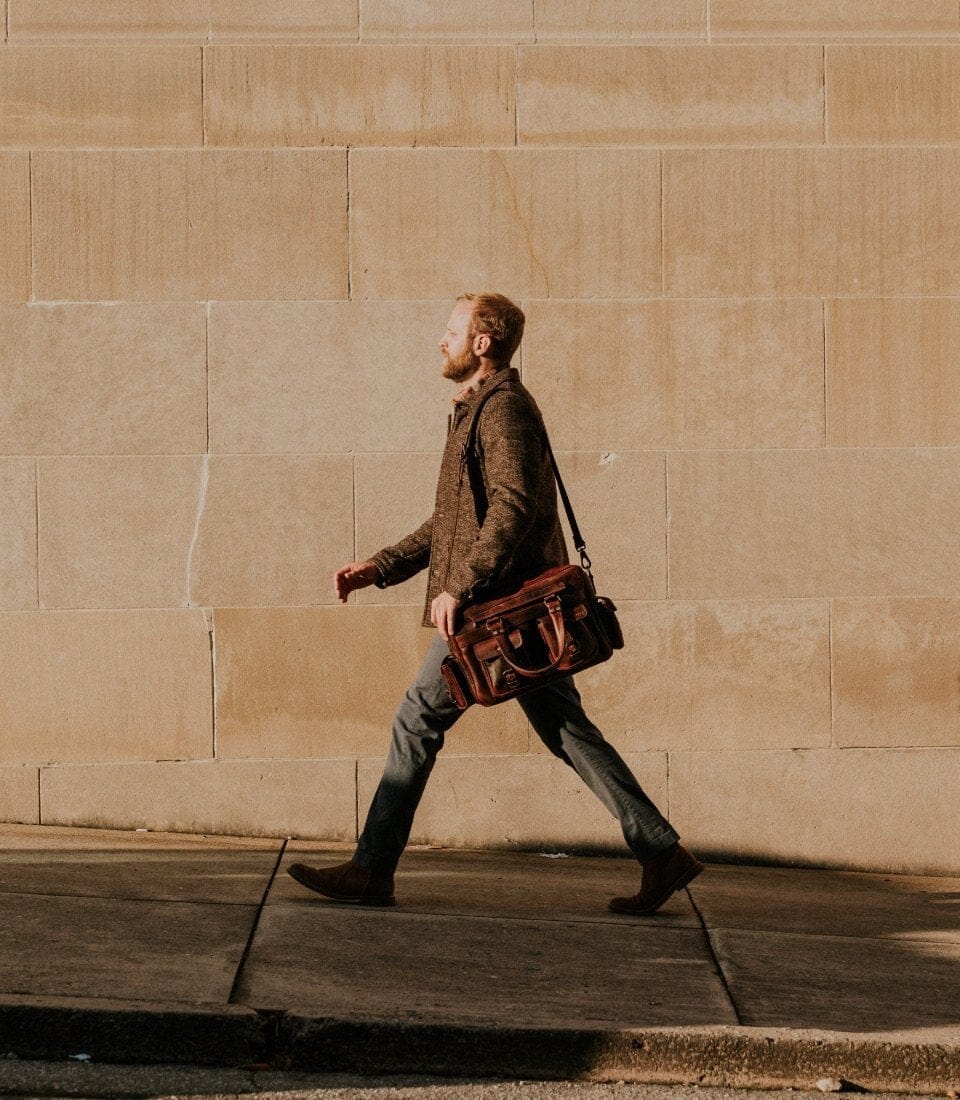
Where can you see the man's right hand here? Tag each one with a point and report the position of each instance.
(358, 574)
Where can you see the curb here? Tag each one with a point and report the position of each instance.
(124, 1031)
(736, 1057)
(234, 1035)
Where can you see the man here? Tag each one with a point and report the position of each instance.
(518, 537)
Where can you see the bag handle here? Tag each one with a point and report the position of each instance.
(499, 632)
(470, 447)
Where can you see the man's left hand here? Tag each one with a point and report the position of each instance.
(443, 614)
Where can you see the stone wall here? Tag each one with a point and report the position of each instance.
(230, 233)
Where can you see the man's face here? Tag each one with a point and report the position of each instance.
(456, 345)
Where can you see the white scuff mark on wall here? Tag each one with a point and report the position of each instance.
(204, 482)
(608, 458)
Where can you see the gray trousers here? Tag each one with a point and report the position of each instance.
(554, 711)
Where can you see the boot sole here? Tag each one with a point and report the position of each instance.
(346, 899)
(636, 911)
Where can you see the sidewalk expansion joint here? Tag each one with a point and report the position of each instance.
(716, 959)
(234, 989)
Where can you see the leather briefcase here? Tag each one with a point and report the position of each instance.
(553, 625)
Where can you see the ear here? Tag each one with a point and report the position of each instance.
(481, 344)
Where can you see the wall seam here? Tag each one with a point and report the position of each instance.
(203, 96)
(359, 21)
(823, 89)
(206, 368)
(213, 684)
(823, 337)
(39, 799)
(353, 466)
(663, 274)
(833, 732)
(33, 266)
(666, 521)
(709, 31)
(349, 232)
(36, 519)
(356, 799)
(516, 94)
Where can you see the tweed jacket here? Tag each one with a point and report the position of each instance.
(495, 521)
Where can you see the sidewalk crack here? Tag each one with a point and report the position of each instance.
(716, 959)
(235, 988)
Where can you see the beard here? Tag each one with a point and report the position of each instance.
(459, 369)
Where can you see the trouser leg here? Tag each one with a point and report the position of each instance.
(557, 716)
(423, 717)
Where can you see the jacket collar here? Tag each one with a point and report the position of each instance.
(468, 398)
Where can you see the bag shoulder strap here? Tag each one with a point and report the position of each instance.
(470, 449)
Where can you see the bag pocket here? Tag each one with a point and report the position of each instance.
(609, 623)
(456, 683)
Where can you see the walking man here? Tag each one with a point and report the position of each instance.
(519, 537)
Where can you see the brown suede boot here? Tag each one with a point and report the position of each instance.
(663, 876)
(346, 882)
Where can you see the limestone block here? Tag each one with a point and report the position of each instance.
(771, 222)
(607, 95)
(891, 371)
(618, 499)
(619, 20)
(15, 276)
(118, 225)
(321, 682)
(276, 224)
(886, 93)
(105, 685)
(452, 21)
(862, 809)
(543, 222)
(685, 374)
(244, 797)
(327, 376)
(394, 495)
(895, 672)
(19, 796)
(92, 95)
(119, 379)
(714, 675)
(72, 20)
(115, 531)
(281, 19)
(147, 224)
(271, 529)
(825, 19)
(360, 95)
(18, 534)
(831, 522)
(515, 801)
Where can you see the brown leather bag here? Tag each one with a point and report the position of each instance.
(553, 625)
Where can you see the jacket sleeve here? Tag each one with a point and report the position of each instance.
(510, 440)
(402, 560)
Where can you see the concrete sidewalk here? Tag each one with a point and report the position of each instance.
(171, 948)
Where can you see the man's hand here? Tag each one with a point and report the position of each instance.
(358, 574)
(443, 614)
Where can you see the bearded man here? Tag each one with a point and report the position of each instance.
(519, 537)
